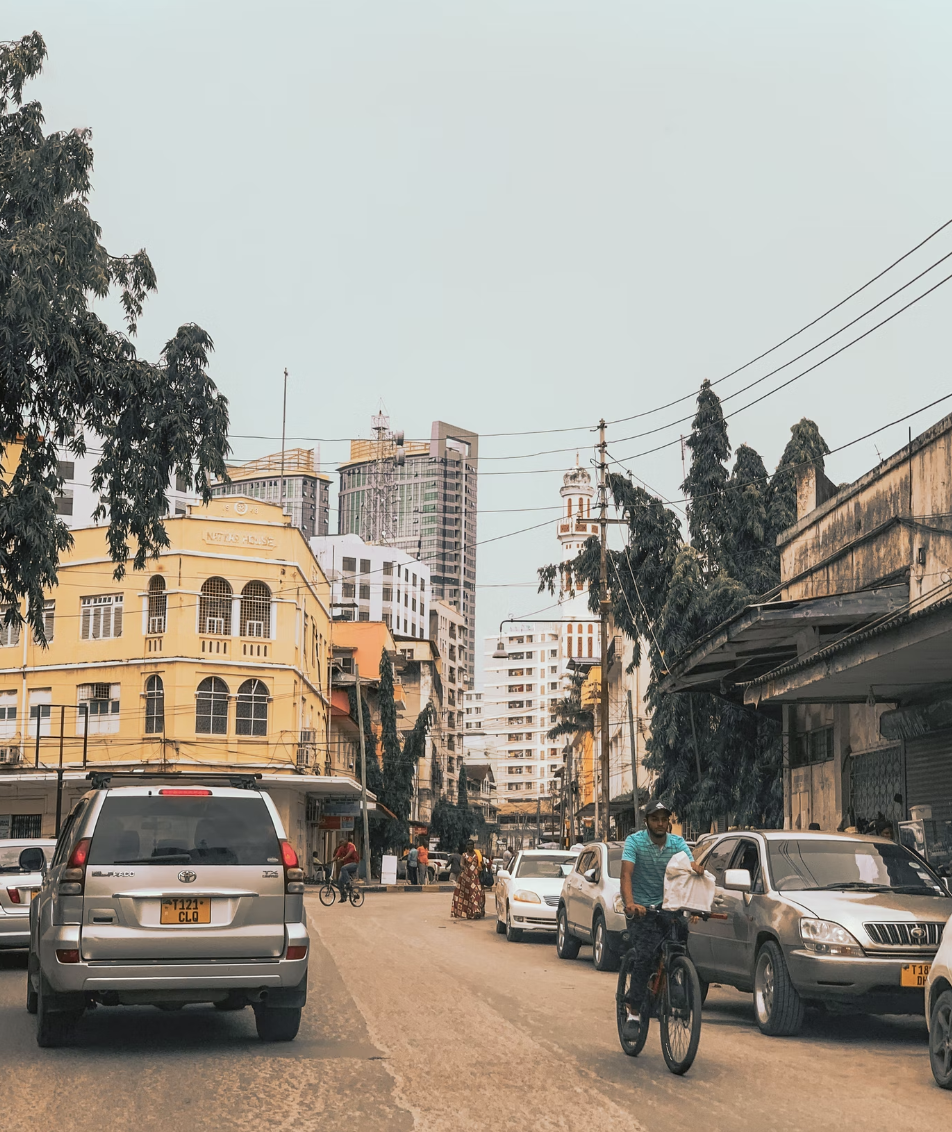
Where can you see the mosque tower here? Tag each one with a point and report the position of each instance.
(576, 524)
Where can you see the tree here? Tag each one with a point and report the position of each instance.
(707, 478)
(67, 376)
(748, 553)
(805, 446)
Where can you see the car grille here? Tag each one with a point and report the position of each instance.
(904, 934)
(552, 901)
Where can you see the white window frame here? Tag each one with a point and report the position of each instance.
(100, 617)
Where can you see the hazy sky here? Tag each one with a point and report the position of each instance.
(523, 215)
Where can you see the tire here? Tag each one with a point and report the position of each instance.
(777, 1005)
(631, 1048)
(705, 987)
(356, 897)
(500, 927)
(514, 935)
(940, 1040)
(32, 967)
(53, 1028)
(680, 1015)
(566, 945)
(277, 1023)
(327, 894)
(603, 956)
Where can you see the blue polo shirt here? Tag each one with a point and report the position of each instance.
(650, 861)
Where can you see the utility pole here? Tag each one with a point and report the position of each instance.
(363, 771)
(634, 763)
(603, 609)
(538, 819)
(284, 421)
(570, 792)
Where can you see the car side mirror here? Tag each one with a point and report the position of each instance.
(503, 873)
(33, 860)
(738, 880)
(566, 870)
(590, 874)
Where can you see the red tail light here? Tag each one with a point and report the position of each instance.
(14, 894)
(288, 856)
(78, 857)
(181, 793)
(67, 955)
(297, 952)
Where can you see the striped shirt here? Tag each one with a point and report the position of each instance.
(650, 861)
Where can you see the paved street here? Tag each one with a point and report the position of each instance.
(419, 1022)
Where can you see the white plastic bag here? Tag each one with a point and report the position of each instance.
(684, 888)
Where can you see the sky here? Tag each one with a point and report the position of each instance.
(523, 216)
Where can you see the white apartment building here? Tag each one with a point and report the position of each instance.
(375, 583)
(77, 501)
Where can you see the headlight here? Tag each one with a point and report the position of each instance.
(826, 938)
(527, 897)
(618, 904)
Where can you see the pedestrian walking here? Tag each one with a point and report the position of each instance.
(455, 863)
(469, 900)
(412, 858)
(507, 857)
(423, 863)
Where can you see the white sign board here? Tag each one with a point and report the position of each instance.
(388, 869)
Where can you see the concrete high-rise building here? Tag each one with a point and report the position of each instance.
(306, 489)
(428, 489)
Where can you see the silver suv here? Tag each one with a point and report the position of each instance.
(181, 889)
(845, 921)
(590, 907)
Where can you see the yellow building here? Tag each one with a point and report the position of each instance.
(216, 655)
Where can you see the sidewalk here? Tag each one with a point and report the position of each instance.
(400, 886)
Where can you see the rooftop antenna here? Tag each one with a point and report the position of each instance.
(284, 420)
(389, 455)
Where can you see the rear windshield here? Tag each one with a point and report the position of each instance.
(812, 864)
(10, 857)
(614, 860)
(544, 867)
(157, 830)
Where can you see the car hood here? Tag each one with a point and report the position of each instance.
(541, 886)
(864, 907)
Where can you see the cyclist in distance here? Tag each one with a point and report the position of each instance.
(643, 862)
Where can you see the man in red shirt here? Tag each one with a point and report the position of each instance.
(423, 863)
(347, 858)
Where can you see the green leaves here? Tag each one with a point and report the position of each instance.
(67, 379)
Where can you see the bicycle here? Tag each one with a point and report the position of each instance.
(329, 892)
(673, 994)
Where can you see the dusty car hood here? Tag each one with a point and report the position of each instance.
(865, 907)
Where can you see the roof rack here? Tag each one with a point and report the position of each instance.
(101, 779)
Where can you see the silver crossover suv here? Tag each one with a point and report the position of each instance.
(22, 861)
(591, 908)
(182, 889)
(845, 921)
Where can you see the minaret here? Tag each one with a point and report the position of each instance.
(575, 526)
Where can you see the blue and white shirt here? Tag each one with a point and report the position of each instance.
(650, 861)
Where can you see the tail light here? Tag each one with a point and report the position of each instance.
(74, 875)
(67, 954)
(297, 951)
(293, 875)
(14, 894)
(179, 792)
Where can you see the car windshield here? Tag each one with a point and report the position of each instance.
(157, 830)
(541, 868)
(862, 866)
(10, 857)
(614, 860)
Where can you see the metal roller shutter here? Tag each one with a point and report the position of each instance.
(929, 773)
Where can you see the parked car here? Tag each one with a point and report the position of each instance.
(939, 1013)
(590, 908)
(846, 921)
(527, 893)
(438, 868)
(169, 893)
(22, 861)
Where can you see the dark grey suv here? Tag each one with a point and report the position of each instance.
(850, 922)
(170, 892)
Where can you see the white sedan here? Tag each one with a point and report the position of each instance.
(938, 1002)
(527, 893)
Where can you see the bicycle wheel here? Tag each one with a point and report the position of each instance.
(356, 897)
(327, 894)
(680, 1015)
(631, 1047)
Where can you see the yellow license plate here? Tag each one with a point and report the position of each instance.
(914, 974)
(186, 910)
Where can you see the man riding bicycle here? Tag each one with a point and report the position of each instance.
(644, 860)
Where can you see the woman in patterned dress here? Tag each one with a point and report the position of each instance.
(469, 900)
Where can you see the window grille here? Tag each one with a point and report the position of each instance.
(365, 593)
(211, 707)
(388, 593)
(350, 565)
(154, 706)
(251, 715)
(365, 565)
(26, 825)
(214, 617)
(9, 632)
(256, 610)
(64, 503)
(66, 469)
(157, 604)
(101, 617)
(348, 589)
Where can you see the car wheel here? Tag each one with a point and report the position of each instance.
(277, 1023)
(566, 945)
(53, 1027)
(32, 967)
(940, 1040)
(603, 956)
(777, 1005)
(514, 935)
(500, 926)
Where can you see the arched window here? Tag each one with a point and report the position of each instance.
(570, 508)
(251, 716)
(154, 704)
(581, 508)
(256, 610)
(157, 604)
(211, 707)
(214, 608)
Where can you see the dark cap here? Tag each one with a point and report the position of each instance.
(656, 808)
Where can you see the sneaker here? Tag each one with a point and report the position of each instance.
(631, 1028)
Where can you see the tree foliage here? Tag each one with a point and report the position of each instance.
(67, 377)
(707, 478)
